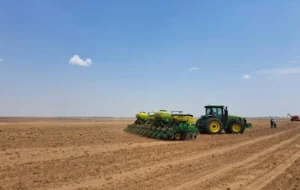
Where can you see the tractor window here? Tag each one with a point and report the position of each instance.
(219, 111)
(211, 111)
(214, 111)
(208, 111)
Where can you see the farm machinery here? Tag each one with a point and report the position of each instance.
(164, 125)
(217, 119)
(179, 126)
(294, 117)
(144, 118)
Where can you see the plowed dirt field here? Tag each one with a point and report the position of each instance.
(100, 155)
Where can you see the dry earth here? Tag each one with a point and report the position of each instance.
(99, 155)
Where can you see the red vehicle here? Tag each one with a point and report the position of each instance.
(294, 117)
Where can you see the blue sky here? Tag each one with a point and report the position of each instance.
(133, 56)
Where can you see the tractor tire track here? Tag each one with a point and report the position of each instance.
(226, 169)
(17, 156)
(288, 180)
(148, 171)
(270, 176)
(73, 156)
(14, 157)
(244, 175)
(30, 155)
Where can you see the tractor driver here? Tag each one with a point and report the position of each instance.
(211, 112)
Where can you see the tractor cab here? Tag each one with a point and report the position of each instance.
(218, 111)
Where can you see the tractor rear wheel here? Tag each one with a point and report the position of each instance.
(236, 127)
(213, 126)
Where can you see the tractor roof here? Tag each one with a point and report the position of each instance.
(214, 106)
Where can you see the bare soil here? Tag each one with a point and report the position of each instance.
(55, 154)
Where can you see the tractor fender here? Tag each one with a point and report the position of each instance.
(209, 116)
(204, 118)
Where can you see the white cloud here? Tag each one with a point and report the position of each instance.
(76, 60)
(275, 71)
(193, 68)
(280, 71)
(1, 60)
(246, 77)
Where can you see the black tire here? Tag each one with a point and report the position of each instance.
(216, 122)
(243, 129)
(236, 127)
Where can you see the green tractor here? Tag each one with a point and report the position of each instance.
(216, 119)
